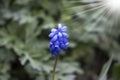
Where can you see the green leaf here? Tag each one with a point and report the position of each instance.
(116, 72)
(105, 69)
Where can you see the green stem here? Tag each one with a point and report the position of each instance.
(56, 59)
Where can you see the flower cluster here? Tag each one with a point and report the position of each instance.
(58, 40)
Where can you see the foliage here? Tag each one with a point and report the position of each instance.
(24, 40)
(24, 51)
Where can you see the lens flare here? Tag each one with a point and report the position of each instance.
(113, 5)
(100, 12)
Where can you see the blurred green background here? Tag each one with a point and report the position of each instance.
(94, 48)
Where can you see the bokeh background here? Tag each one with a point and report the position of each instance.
(94, 47)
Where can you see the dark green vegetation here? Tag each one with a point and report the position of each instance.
(24, 51)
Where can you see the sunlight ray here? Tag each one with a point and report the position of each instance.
(97, 13)
(92, 9)
(89, 2)
(97, 9)
(93, 25)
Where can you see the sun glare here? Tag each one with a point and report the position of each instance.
(114, 5)
(101, 11)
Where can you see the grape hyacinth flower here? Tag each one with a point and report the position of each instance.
(58, 40)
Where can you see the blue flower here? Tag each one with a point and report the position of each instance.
(58, 40)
